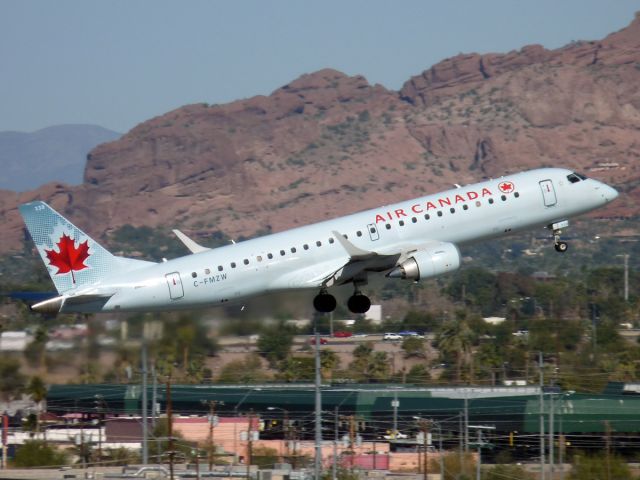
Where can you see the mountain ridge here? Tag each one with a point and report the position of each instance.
(329, 144)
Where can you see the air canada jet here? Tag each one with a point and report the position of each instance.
(412, 240)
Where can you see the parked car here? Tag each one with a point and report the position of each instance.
(323, 341)
(342, 334)
(392, 336)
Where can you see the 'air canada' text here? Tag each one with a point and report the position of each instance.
(434, 204)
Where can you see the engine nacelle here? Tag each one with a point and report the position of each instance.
(428, 262)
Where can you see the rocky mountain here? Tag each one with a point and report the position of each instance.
(329, 144)
(57, 153)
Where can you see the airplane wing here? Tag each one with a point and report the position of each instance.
(190, 244)
(354, 266)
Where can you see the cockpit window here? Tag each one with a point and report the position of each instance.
(580, 176)
(573, 178)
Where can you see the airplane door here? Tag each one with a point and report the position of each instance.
(175, 285)
(548, 193)
(373, 231)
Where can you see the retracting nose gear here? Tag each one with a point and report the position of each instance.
(556, 228)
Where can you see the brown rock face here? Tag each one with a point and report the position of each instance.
(328, 144)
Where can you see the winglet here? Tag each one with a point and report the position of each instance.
(190, 244)
(354, 252)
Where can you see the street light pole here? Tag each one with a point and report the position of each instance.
(318, 412)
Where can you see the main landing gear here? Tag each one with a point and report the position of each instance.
(556, 228)
(325, 302)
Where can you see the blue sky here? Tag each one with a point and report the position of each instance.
(118, 63)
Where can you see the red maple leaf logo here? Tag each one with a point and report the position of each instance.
(506, 187)
(68, 258)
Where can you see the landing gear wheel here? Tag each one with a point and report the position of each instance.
(324, 302)
(358, 303)
(561, 247)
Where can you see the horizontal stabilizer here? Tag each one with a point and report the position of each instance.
(190, 244)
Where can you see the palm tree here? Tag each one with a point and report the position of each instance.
(456, 338)
(37, 390)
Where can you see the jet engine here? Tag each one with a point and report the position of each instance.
(428, 262)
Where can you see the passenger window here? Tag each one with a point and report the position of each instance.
(504, 198)
(401, 223)
(194, 274)
(388, 226)
(465, 207)
(478, 203)
(269, 256)
(282, 252)
(427, 216)
(319, 243)
(220, 268)
(372, 230)
(359, 233)
(346, 236)
(331, 240)
(452, 210)
(207, 271)
(305, 246)
(439, 213)
(245, 261)
(414, 219)
(259, 258)
(293, 249)
(233, 264)
(491, 200)
(516, 194)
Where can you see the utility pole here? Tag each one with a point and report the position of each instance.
(395, 404)
(542, 462)
(318, 412)
(249, 444)
(334, 468)
(466, 421)
(425, 443)
(145, 402)
(551, 434)
(212, 411)
(170, 426)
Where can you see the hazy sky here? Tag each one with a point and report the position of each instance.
(117, 63)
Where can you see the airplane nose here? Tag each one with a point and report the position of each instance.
(610, 193)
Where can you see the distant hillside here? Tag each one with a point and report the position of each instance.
(328, 144)
(53, 154)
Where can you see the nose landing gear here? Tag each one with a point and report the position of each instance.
(556, 228)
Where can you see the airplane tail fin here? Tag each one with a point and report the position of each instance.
(72, 258)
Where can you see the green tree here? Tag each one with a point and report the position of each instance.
(297, 369)
(456, 466)
(37, 390)
(36, 352)
(12, 381)
(456, 339)
(418, 374)
(275, 343)
(599, 466)
(36, 453)
(264, 457)
(248, 370)
(500, 472)
(414, 348)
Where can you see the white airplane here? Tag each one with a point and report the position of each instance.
(413, 240)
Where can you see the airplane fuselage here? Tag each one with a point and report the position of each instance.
(303, 257)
